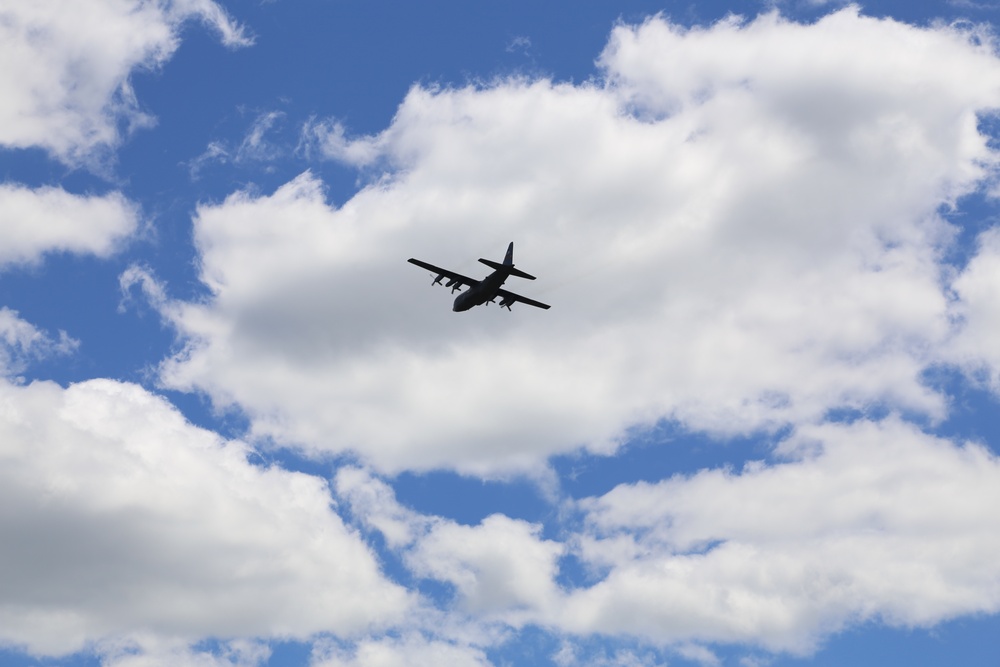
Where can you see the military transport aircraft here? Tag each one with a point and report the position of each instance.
(487, 289)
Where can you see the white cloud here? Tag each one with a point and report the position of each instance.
(870, 521)
(569, 655)
(411, 650)
(862, 522)
(738, 232)
(127, 526)
(374, 503)
(20, 342)
(35, 222)
(66, 67)
(743, 242)
(977, 309)
(330, 139)
(212, 14)
(237, 653)
(499, 567)
(699, 654)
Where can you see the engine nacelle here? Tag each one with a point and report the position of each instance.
(506, 302)
(437, 281)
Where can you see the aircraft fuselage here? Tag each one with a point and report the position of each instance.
(483, 291)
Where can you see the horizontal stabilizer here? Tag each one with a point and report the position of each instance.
(506, 267)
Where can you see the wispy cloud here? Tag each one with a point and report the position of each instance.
(330, 140)
(254, 148)
(520, 44)
(21, 342)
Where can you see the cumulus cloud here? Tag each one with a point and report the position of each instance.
(855, 522)
(865, 521)
(738, 230)
(36, 222)
(860, 522)
(66, 67)
(500, 566)
(130, 530)
(501, 569)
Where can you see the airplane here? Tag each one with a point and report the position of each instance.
(485, 290)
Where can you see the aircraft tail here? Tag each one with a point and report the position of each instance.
(508, 264)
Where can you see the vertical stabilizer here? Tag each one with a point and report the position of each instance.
(508, 259)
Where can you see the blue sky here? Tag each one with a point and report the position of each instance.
(757, 427)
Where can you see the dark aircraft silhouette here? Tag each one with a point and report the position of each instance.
(487, 289)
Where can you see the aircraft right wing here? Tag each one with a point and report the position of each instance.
(454, 279)
(507, 299)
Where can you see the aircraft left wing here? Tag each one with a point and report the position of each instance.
(507, 299)
(454, 279)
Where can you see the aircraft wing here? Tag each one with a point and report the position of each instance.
(508, 298)
(453, 278)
